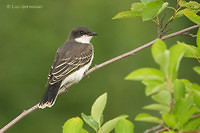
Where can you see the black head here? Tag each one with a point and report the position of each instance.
(80, 32)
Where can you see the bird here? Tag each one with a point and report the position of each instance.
(71, 62)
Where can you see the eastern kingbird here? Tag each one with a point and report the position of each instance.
(71, 62)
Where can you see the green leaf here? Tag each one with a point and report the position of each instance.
(163, 97)
(164, 5)
(160, 53)
(191, 51)
(196, 93)
(179, 90)
(176, 53)
(180, 107)
(148, 118)
(189, 99)
(101, 119)
(73, 125)
(194, 89)
(180, 13)
(158, 107)
(146, 1)
(128, 14)
(98, 107)
(198, 38)
(190, 112)
(146, 74)
(110, 125)
(182, 3)
(90, 121)
(158, 48)
(179, 110)
(191, 4)
(154, 86)
(84, 131)
(152, 9)
(182, 112)
(169, 119)
(192, 124)
(192, 16)
(137, 6)
(124, 126)
(197, 69)
(163, 60)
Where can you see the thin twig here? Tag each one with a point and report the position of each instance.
(198, 59)
(195, 116)
(189, 34)
(161, 130)
(157, 26)
(165, 26)
(172, 102)
(161, 21)
(180, 32)
(64, 89)
(171, 91)
(177, 6)
(154, 128)
(19, 117)
(164, 32)
(194, 131)
(170, 20)
(160, 29)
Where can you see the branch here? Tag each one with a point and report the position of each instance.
(194, 131)
(189, 34)
(154, 128)
(18, 118)
(195, 116)
(162, 130)
(65, 88)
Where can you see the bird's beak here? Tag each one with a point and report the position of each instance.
(93, 34)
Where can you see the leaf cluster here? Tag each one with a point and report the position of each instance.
(150, 9)
(95, 120)
(176, 100)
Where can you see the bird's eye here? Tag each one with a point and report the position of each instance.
(81, 32)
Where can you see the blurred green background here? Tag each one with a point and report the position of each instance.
(29, 39)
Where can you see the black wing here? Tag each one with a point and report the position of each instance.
(66, 63)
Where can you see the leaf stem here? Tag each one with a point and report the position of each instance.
(195, 116)
(154, 128)
(170, 20)
(194, 131)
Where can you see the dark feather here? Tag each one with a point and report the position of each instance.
(50, 95)
(66, 63)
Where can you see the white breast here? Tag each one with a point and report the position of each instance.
(84, 39)
(77, 75)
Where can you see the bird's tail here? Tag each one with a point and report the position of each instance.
(50, 95)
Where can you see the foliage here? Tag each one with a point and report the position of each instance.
(95, 120)
(176, 100)
(150, 9)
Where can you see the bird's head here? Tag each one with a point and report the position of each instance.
(82, 35)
